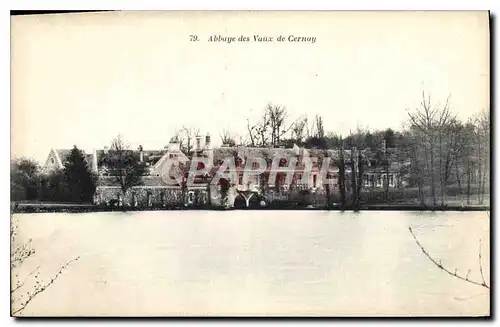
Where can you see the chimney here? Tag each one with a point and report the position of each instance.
(94, 161)
(208, 152)
(198, 143)
(141, 154)
(207, 141)
(106, 149)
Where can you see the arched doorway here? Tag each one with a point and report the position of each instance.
(248, 199)
(240, 202)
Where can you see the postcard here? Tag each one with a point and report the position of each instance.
(250, 164)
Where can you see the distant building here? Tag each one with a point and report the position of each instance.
(305, 163)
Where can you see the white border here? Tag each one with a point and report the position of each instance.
(492, 5)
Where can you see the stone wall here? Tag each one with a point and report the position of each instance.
(142, 196)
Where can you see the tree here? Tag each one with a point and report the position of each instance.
(227, 138)
(457, 143)
(320, 130)
(389, 138)
(277, 116)
(124, 165)
(467, 162)
(186, 136)
(481, 143)
(24, 180)
(270, 128)
(418, 162)
(54, 187)
(431, 120)
(333, 141)
(316, 142)
(224, 191)
(316, 137)
(258, 132)
(298, 130)
(341, 166)
(80, 180)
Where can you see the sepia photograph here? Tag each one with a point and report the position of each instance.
(250, 164)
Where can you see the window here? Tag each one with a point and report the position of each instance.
(379, 180)
(240, 179)
(391, 180)
(314, 180)
(52, 161)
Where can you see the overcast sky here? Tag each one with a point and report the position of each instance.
(83, 78)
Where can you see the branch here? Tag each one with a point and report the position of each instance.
(440, 266)
(40, 289)
(20, 253)
(19, 285)
(480, 264)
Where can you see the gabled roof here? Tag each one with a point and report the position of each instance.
(150, 156)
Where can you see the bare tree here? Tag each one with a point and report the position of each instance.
(320, 129)
(415, 149)
(258, 132)
(187, 135)
(457, 144)
(299, 129)
(227, 138)
(277, 117)
(481, 123)
(123, 164)
(270, 128)
(341, 178)
(431, 120)
(26, 289)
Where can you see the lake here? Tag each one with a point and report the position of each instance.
(247, 263)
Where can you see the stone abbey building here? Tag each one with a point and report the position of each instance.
(306, 165)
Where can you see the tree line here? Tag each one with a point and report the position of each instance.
(445, 155)
(76, 182)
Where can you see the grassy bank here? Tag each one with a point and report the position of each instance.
(76, 208)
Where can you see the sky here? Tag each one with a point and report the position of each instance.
(81, 79)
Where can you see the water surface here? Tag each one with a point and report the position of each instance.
(257, 263)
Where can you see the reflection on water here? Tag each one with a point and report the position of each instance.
(258, 263)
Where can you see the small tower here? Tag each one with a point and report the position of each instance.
(141, 153)
(208, 151)
(94, 161)
(207, 141)
(198, 143)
